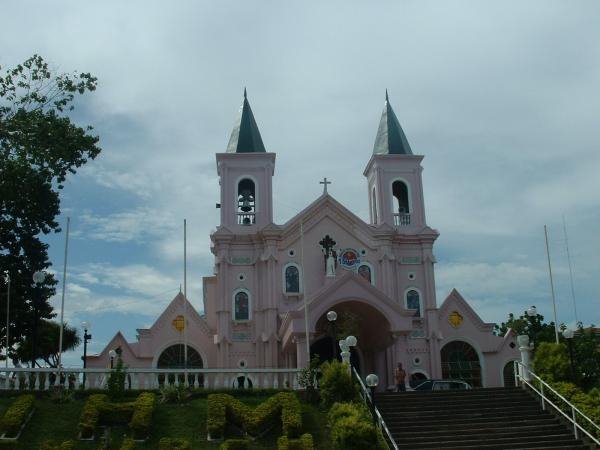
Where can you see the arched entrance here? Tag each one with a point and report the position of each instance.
(460, 361)
(173, 357)
(508, 374)
(371, 329)
(416, 378)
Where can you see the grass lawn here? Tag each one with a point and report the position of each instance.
(58, 422)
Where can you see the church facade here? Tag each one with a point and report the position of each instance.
(274, 285)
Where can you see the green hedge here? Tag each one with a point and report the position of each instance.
(235, 444)
(336, 384)
(16, 414)
(99, 410)
(51, 445)
(587, 403)
(174, 444)
(305, 442)
(128, 444)
(284, 406)
(352, 428)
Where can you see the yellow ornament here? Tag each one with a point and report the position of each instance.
(455, 319)
(179, 323)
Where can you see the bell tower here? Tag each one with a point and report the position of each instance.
(246, 176)
(394, 177)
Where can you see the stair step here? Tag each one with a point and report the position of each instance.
(500, 443)
(486, 419)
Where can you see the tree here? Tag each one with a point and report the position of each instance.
(39, 147)
(551, 362)
(533, 326)
(47, 343)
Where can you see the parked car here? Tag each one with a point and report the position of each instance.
(442, 385)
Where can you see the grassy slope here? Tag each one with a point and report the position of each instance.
(58, 422)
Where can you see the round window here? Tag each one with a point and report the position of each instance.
(292, 252)
(417, 360)
(411, 275)
(242, 363)
(241, 276)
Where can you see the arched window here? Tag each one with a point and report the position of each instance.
(461, 361)
(246, 202)
(364, 271)
(413, 301)
(374, 206)
(401, 206)
(292, 279)
(173, 357)
(241, 306)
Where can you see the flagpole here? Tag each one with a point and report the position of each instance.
(185, 350)
(7, 312)
(570, 271)
(62, 301)
(304, 295)
(551, 286)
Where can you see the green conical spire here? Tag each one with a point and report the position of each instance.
(245, 137)
(390, 137)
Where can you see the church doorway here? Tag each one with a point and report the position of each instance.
(173, 357)
(323, 348)
(362, 320)
(460, 361)
(508, 374)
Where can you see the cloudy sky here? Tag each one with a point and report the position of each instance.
(502, 98)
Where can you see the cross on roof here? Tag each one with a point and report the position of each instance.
(324, 183)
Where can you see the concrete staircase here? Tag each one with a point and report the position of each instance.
(488, 418)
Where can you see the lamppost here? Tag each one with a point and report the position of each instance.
(568, 335)
(7, 280)
(112, 354)
(372, 382)
(38, 278)
(331, 317)
(345, 345)
(86, 337)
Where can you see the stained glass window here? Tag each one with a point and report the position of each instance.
(460, 361)
(413, 301)
(241, 306)
(173, 357)
(292, 279)
(365, 272)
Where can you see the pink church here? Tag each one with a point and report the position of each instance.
(378, 278)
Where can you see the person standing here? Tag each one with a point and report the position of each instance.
(400, 376)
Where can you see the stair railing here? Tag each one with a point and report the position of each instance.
(366, 396)
(524, 376)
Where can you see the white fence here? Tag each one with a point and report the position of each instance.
(550, 397)
(47, 378)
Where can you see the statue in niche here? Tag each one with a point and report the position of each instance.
(330, 255)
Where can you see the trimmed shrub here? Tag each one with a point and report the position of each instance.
(99, 410)
(352, 428)
(304, 442)
(16, 414)
(142, 415)
(128, 444)
(336, 384)
(174, 444)
(235, 444)
(587, 403)
(51, 445)
(284, 407)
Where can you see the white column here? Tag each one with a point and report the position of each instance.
(525, 349)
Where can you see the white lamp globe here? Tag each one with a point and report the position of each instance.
(568, 333)
(39, 276)
(351, 341)
(86, 326)
(112, 353)
(372, 380)
(331, 316)
(531, 311)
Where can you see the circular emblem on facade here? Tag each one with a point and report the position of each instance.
(411, 275)
(349, 258)
(179, 323)
(455, 319)
(291, 252)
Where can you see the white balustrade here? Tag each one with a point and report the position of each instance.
(22, 378)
